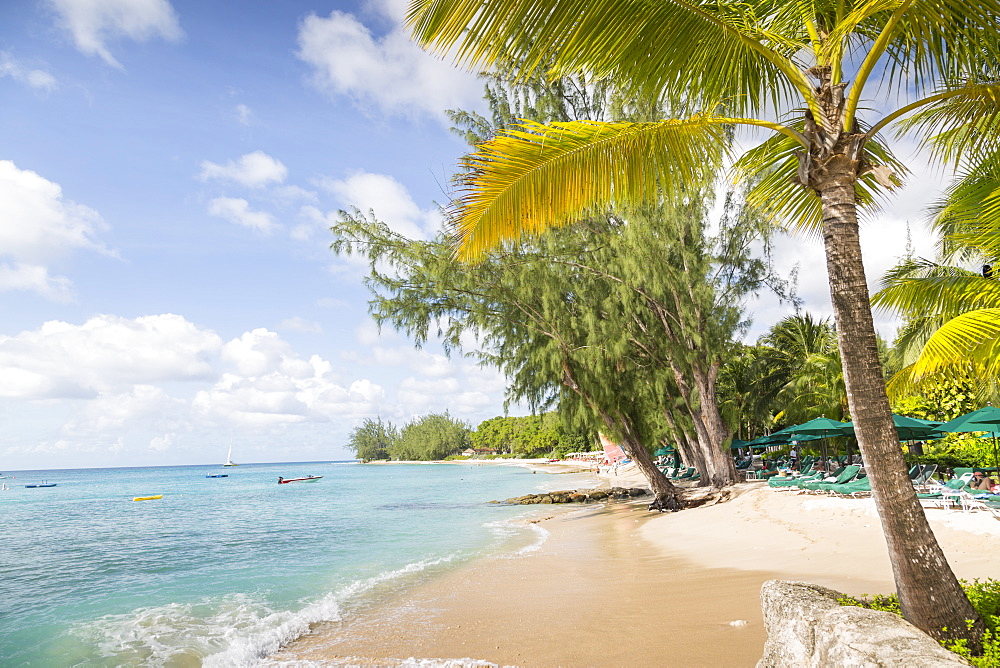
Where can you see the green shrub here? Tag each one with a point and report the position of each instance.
(985, 598)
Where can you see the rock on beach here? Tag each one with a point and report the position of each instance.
(577, 496)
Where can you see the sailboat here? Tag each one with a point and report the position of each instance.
(229, 457)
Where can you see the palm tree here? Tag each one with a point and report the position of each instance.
(803, 351)
(803, 71)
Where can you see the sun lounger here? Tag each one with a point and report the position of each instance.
(790, 482)
(849, 473)
(925, 474)
(948, 494)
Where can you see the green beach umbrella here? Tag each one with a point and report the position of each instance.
(663, 452)
(985, 419)
(779, 439)
(821, 427)
(817, 428)
(911, 429)
(737, 444)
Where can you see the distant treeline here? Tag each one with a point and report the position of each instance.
(438, 436)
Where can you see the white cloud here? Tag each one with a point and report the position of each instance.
(243, 114)
(297, 324)
(270, 386)
(142, 407)
(39, 226)
(105, 355)
(93, 23)
(388, 72)
(390, 201)
(238, 212)
(35, 278)
(116, 391)
(253, 170)
(37, 79)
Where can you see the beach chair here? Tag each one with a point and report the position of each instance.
(847, 474)
(856, 488)
(863, 489)
(944, 496)
(851, 473)
(794, 481)
(823, 477)
(924, 475)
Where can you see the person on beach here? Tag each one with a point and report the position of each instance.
(981, 482)
(794, 456)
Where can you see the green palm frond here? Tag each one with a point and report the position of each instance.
(962, 124)
(538, 176)
(972, 337)
(712, 51)
(911, 339)
(968, 215)
(920, 287)
(938, 39)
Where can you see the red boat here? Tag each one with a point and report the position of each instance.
(308, 478)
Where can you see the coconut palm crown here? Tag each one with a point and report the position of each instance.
(821, 78)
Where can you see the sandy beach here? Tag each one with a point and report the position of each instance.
(616, 585)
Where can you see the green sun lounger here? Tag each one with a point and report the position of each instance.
(856, 486)
(795, 482)
(847, 474)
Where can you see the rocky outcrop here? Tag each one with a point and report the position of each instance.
(577, 496)
(806, 626)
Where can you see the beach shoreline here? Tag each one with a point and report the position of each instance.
(589, 595)
(616, 585)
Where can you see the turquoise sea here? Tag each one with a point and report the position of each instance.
(222, 571)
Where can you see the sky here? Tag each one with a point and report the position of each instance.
(169, 171)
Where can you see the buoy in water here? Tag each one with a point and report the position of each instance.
(148, 498)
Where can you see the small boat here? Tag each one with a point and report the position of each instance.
(216, 475)
(148, 498)
(229, 457)
(40, 484)
(308, 478)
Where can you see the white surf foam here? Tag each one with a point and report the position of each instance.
(236, 630)
(512, 527)
(242, 627)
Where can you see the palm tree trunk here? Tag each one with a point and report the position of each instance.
(929, 593)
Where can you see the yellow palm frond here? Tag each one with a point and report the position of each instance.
(972, 337)
(538, 176)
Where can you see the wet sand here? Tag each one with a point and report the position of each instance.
(595, 594)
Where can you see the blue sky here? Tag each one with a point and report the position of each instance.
(168, 174)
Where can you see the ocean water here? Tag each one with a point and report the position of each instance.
(222, 571)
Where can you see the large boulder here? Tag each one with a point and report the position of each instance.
(806, 626)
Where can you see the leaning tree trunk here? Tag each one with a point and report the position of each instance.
(929, 594)
(667, 495)
(720, 459)
(713, 467)
(685, 443)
